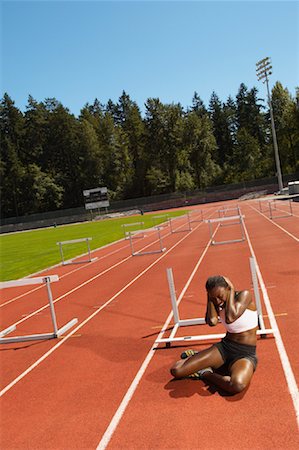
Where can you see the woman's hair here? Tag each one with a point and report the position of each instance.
(215, 281)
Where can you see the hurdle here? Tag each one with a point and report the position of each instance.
(226, 219)
(178, 230)
(135, 224)
(196, 219)
(74, 241)
(161, 216)
(161, 248)
(230, 210)
(222, 212)
(35, 337)
(287, 214)
(262, 331)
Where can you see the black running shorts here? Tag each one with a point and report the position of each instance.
(232, 351)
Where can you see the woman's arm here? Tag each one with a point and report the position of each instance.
(211, 313)
(234, 308)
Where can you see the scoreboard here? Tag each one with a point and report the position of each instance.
(96, 198)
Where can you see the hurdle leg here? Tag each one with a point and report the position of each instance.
(173, 304)
(131, 243)
(270, 210)
(242, 228)
(52, 310)
(160, 240)
(257, 296)
(88, 249)
(61, 252)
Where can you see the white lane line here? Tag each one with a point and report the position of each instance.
(49, 352)
(274, 223)
(130, 392)
(288, 372)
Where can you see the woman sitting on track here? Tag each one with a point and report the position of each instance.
(238, 314)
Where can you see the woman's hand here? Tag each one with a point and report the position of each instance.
(230, 284)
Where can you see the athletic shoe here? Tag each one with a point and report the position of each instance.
(199, 374)
(188, 353)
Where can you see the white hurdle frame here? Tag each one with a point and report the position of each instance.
(224, 211)
(126, 225)
(262, 331)
(196, 211)
(225, 219)
(35, 337)
(151, 252)
(273, 202)
(180, 230)
(74, 241)
(166, 223)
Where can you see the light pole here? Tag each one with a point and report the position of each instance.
(263, 70)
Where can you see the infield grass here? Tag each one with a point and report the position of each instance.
(27, 252)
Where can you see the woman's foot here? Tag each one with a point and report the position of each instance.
(199, 375)
(188, 353)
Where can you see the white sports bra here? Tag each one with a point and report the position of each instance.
(245, 322)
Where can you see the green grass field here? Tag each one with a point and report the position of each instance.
(24, 253)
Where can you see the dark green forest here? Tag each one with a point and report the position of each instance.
(48, 156)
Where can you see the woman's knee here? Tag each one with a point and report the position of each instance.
(176, 371)
(237, 386)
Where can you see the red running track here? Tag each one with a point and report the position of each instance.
(106, 384)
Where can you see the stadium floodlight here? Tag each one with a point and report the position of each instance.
(263, 71)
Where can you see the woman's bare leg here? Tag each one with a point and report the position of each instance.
(210, 357)
(241, 374)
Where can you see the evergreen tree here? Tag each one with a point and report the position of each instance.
(200, 144)
(127, 115)
(287, 128)
(12, 168)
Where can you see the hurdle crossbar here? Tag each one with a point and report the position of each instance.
(135, 224)
(262, 331)
(239, 219)
(74, 241)
(179, 230)
(150, 252)
(42, 336)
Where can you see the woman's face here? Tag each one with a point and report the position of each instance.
(218, 295)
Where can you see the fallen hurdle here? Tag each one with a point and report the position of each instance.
(179, 229)
(74, 241)
(239, 220)
(35, 337)
(262, 331)
(160, 249)
(135, 224)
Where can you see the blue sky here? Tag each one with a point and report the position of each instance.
(77, 51)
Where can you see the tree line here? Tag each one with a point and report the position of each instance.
(49, 156)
